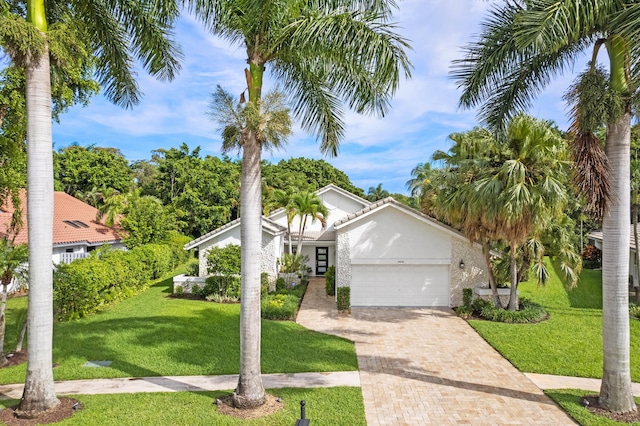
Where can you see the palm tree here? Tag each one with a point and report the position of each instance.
(308, 205)
(421, 176)
(322, 52)
(376, 193)
(115, 32)
(12, 265)
(523, 45)
(284, 199)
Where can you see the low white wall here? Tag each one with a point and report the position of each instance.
(187, 283)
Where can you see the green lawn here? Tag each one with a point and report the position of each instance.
(570, 342)
(151, 335)
(326, 406)
(569, 400)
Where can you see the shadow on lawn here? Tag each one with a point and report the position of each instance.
(203, 342)
(587, 294)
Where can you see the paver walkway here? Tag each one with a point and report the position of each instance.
(427, 366)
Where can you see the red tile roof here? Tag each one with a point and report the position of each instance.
(73, 221)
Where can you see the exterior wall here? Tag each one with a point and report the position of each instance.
(80, 251)
(271, 252)
(232, 236)
(309, 249)
(187, 283)
(472, 275)
(343, 258)
(391, 236)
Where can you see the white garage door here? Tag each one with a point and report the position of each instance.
(400, 285)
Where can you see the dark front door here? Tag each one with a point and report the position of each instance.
(322, 260)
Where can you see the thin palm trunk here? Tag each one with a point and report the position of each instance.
(513, 294)
(486, 251)
(289, 235)
(303, 226)
(3, 322)
(250, 391)
(615, 391)
(23, 331)
(634, 219)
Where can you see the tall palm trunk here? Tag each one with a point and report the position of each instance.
(486, 251)
(634, 220)
(3, 321)
(39, 394)
(615, 392)
(250, 392)
(513, 294)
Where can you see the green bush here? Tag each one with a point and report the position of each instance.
(290, 263)
(220, 285)
(279, 306)
(224, 260)
(343, 301)
(330, 281)
(464, 311)
(281, 284)
(479, 304)
(297, 290)
(85, 286)
(634, 311)
(193, 268)
(529, 312)
(264, 284)
(467, 298)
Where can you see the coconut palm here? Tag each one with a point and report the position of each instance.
(322, 53)
(523, 45)
(421, 176)
(12, 265)
(376, 193)
(115, 33)
(308, 205)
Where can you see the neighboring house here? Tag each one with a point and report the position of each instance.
(76, 231)
(595, 239)
(388, 253)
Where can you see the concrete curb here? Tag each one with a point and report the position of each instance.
(189, 383)
(548, 381)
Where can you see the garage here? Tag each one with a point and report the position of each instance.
(400, 285)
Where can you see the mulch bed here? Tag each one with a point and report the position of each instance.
(62, 411)
(270, 406)
(595, 408)
(15, 358)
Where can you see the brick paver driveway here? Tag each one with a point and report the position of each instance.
(427, 366)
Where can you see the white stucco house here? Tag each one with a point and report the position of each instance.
(388, 253)
(595, 239)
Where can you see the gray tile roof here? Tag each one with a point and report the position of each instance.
(267, 224)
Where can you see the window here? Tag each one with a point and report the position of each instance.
(70, 250)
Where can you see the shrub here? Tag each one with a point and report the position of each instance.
(85, 286)
(330, 281)
(634, 311)
(343, 301)
(280, 284)
(224, 260)
(467, 298)
(178, 291)
(529, 312)
(217, 284)
(264, 284)
(218, 298)
(479, 304)
(464, 311)
(279, 306)
(290, 263)
(193, 268)
(591, 257)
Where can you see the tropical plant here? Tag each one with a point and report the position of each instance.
(321, 52)
(523, 45)
(308, 205)
(421, 177)
(285, 200)
(13, 259)
(113, 33)
(376, 193)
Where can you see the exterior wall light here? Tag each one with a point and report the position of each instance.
(461, 264)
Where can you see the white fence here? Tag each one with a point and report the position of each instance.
(70, 257)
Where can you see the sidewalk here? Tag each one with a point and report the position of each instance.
(547, 381)
(189, 383)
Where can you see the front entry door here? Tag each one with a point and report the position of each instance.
(322, 260)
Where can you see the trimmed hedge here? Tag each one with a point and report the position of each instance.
(330, 281)
(343, 301)
(85, 286)
(279, 306)
(529, 312)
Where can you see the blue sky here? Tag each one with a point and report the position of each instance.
(424, 111)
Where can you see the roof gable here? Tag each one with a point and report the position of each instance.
(267, 226)
(390, 202)
(329, 188)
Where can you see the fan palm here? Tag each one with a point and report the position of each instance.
(115, 32)
(321, 52)
(523, 45)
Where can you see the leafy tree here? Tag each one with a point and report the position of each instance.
(146, 221)
(224, 260)
(113, 33)
(78, 170)
(376, 193)
(321, 52)
(412, 202)
(523, 45)
(12, 265)
(306, 174)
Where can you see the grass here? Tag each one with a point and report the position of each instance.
(325, 406)
(569, 400)
(151, 335)
(569, 343)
